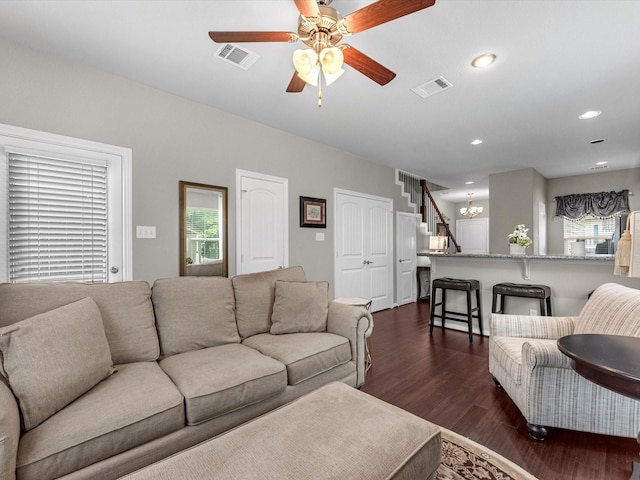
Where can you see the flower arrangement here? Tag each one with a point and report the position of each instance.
(519, 236)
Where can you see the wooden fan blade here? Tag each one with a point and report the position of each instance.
(238, 37)
(381, 12)
(366, 65)
(296, 84)
(308, 8)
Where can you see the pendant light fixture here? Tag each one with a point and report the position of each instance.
(470, 211)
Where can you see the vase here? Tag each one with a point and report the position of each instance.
(515, 249)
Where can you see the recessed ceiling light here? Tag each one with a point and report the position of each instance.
(477, 141)
(590, 114)
(597, 140)
(604, 162)
(470, 182)
(483, 60)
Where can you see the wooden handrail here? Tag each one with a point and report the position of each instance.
(423, 210)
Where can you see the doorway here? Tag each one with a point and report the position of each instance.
(406, 250)
(364, 247)
(262, 239)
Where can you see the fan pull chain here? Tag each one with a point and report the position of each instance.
(319, 89)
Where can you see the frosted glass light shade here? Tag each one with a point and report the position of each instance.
(331, 60)
(306, 64)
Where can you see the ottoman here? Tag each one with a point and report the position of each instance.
(335, 432)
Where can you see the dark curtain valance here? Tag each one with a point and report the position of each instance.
(603, 204)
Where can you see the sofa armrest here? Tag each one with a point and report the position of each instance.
(9, 432)
(354, 323)
(543, 354)
(531, 326)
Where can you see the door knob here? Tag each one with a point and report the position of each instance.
(115, 269)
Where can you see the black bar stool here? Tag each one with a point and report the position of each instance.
(542, 292)
(467, 286)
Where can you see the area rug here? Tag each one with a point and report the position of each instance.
(464, 459)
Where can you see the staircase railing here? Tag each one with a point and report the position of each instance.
(423, 210)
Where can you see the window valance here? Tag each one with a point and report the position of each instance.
(602, 204)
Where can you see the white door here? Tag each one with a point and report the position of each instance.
(262, 239)
(406, 280)
(364, 248)
(542, 229)
(473, 235)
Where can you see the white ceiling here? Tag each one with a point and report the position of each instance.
(555, 60)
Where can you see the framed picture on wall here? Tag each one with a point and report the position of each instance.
(313, 212)
(441, 230)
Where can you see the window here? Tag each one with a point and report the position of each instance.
(66, 207)
(592, 230)
(203, 235)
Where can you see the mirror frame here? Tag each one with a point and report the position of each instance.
(184, 186)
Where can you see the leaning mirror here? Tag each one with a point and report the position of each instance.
(203, 230)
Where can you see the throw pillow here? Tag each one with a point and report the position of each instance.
(51, 359)
(300, 307)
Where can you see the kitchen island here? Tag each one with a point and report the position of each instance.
(571, 279)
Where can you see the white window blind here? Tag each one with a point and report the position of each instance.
(57, 220)
(592, 230)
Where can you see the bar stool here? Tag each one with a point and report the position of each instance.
(467, 286)
(542, 292)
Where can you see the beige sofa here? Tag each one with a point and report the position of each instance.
(97, 381)
(524, 360)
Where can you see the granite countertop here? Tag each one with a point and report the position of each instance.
(499, 256)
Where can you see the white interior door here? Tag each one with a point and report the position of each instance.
(262, 239)
(364, 248)
(406, 280)
(542, 228)
(473, 235)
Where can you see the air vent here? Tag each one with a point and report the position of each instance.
(598, 167)
(239, 57)
(432, 87)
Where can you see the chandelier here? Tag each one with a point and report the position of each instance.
(470, 211)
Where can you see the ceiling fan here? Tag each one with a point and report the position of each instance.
(322, 28)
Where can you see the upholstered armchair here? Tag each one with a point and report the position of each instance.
(525, 361)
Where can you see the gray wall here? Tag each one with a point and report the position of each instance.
(511, 195)
(175, 139)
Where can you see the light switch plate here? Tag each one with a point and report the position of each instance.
(145, 231)
(320, 236)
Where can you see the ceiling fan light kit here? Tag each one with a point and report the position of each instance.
(322, 28)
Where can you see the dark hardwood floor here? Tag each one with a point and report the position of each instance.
(445, 379)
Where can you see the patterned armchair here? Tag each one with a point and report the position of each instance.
(524, 360)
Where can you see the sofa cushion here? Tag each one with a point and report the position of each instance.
(255, 294)
(51, 359)
(300, 307)
(125, 307)
(9, 432)
(194, 313)
(611, 310)
(304, 354)
(218, 380)
(137, 404)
